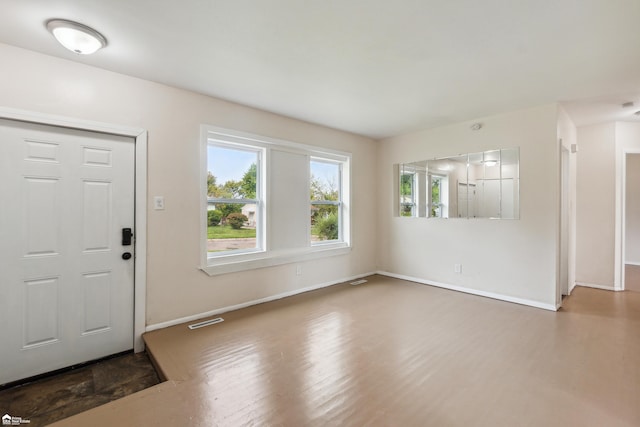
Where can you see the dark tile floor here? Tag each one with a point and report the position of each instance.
(53, 398)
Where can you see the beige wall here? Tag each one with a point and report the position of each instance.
(512, 258)
(595, 205)
(176, 287)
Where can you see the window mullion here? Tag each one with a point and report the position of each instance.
(214, 200)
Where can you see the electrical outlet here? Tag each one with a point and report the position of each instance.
(457, 268)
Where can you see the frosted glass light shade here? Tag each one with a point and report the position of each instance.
(76, 37)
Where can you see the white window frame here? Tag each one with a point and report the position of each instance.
(258, 201)
(414, 190)
(443, 194)
(234, 261)
(339, 203)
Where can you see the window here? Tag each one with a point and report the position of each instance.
(326, 200)
(257, 210)
(439, 194)
(234, 204)
(407, 194)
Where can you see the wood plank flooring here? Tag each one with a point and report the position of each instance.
(396, 353)
(632, 277)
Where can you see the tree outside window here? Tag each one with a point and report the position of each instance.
(325, 182)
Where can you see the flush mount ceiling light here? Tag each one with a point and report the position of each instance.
(76, 37)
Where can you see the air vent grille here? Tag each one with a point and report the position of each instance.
(206, 323)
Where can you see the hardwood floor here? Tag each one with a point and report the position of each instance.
(632, 277)
(396, 353)
(56, 397)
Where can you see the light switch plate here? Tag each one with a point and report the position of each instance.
(158, 203)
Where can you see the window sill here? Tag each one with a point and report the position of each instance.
(251, 261)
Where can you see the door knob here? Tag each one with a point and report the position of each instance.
(126, 255)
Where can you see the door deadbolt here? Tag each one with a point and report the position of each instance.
(126, 236)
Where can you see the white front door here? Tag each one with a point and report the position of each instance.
(66, 293)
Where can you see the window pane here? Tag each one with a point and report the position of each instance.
(325, 181)
(325, 222)
(232, 173)
(325, 187)
(231, 226)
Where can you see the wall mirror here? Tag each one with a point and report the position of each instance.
(474, 185)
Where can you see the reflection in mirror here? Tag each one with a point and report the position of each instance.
(408, 189)
(476, 185)
(444, 175)
(510, 184)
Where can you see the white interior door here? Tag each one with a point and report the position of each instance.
(65, 289)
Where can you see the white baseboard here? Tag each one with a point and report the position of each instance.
(507, 298)
(210, 313)
(596, 286)
(632, 262)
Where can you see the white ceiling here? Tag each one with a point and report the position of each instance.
(373, 67)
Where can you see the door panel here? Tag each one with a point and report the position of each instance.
(41, 311)
(97, 216)
(67, 294)
(97, 301)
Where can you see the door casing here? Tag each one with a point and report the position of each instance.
(140, 137)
